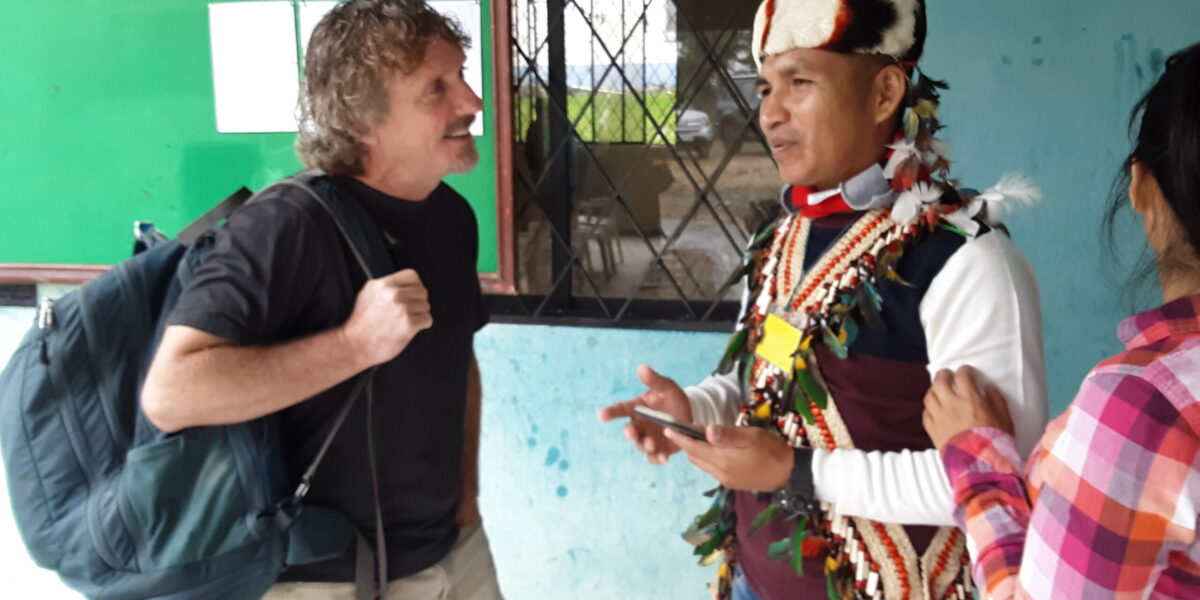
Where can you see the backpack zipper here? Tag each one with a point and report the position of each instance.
(45, 321)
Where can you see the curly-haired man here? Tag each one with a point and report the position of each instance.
(280, 319)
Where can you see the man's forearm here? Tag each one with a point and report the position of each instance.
(468, 508)
(906, 486)
(197, 380)
(471, 424)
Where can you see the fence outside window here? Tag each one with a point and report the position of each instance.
(638, 171)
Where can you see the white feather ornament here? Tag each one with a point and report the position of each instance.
(902, 151)
(913, 202)
(1012, 192)
(964, 217)
(938, 148)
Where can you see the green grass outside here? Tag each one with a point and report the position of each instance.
(604, 120)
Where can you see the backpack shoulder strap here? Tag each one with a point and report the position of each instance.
(358, 229)
(366, 241)
(213, 216)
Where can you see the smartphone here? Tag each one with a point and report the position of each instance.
(667, 420)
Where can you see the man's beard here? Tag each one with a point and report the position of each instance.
(466, 161)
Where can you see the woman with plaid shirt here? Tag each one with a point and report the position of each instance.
(1107, 506)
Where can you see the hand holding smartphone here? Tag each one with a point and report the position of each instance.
(667, 420)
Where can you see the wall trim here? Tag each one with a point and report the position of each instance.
(48, 273)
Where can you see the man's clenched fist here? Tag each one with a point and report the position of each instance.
(388, 313)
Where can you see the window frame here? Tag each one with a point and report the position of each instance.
(503, 298)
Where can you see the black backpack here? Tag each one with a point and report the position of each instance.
(117, 508)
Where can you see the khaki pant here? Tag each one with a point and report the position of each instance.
(466, 573)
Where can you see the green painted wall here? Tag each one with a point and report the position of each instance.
(108, 117)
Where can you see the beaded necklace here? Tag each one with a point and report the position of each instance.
(864, 559)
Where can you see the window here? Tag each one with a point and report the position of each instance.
(638, 171)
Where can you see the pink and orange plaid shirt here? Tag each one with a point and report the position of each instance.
(1108, 504)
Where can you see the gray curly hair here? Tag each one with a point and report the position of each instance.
(353, 52)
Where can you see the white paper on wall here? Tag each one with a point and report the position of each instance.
(255, 75)
(311, 13)
(466, 13)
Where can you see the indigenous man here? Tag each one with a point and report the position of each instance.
(879, 272)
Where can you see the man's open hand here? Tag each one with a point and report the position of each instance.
(388, 313)
(662, 394)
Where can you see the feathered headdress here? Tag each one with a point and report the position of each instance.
(894, 28)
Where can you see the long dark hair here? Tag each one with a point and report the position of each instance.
(1165, 127)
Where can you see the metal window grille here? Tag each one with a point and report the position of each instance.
(639, 173)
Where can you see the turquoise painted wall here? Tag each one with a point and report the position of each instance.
(1040, 87)
(573, 511)
(1046, 88)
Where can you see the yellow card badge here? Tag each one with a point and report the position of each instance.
(779, 342)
